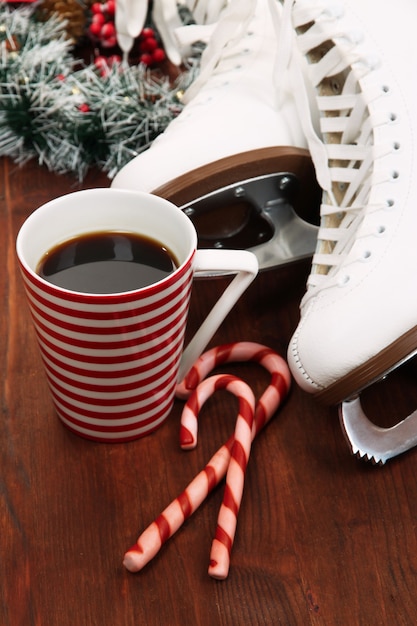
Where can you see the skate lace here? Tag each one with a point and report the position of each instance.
(204, 11)
(342, 148)
(182, 24)
(224, 42)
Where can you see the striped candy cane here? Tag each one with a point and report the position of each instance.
(228, 353)
(182, 507)
(226, 525)
(239, 457)
(170, 520)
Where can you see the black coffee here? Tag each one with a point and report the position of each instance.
(107, 262)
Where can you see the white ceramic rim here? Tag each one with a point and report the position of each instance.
(57, 221)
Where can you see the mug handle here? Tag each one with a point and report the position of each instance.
(217, 263)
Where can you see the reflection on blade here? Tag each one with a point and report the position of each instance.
(371, 442)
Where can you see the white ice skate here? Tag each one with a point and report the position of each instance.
(235, 159)
(359, 315)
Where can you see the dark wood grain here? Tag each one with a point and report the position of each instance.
(322, 538)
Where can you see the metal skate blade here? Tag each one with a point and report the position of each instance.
(371, 442)
(257, 215)
(265, 200)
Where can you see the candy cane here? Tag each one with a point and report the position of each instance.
(239, 457)
(226, 525)
(237, 449)
(235, 352)
(227, 519)
(170, 520)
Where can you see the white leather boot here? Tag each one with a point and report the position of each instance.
(231, 120)
(235, 158)
(359, 315)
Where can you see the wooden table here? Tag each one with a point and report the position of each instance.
(322, 538)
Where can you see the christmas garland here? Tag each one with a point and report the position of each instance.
(69, 114)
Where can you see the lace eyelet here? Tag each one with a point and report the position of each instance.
(355, 37)
(343, 280)
(371, 61)
(334, 10)
(366, 255)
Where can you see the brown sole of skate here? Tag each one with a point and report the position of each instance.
(379, 366)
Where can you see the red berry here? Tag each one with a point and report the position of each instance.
(103, 64)
(148, 45)
(84, 108)
(98, 18)
(95, 29)
(109, 42)
(100, 62)
(146, 58)
(108, 30)
(147, 32)
(158, 55)
(111, 7)
(114, 58)
(97, 7)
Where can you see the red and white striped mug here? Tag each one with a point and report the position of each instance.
(113, 360)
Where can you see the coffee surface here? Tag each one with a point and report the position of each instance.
(107, 262)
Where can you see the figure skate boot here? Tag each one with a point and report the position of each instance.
(232, 140)
(359, 314)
